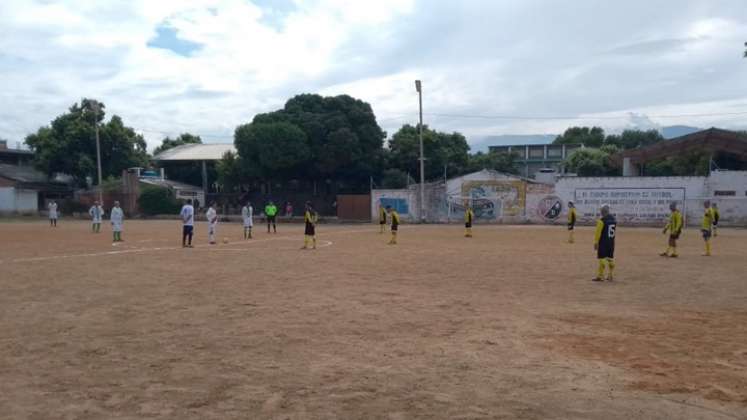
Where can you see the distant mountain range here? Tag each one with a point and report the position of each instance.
(481, 143)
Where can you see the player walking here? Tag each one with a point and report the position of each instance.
(52, 207)
(394, 217)
(310, 218)
(674, 227)
(117, 219)
(188, 223)
(271, 212)
(469, 216)
(212, 218)
(247, 215)
(716, 216)
(572, 217)
(706, 227)
(382, 219)
(604, 243)
(96, 212)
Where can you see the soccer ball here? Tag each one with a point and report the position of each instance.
(225, 240)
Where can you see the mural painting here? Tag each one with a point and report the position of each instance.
(496, 198)
(400, 205)
(550, 208)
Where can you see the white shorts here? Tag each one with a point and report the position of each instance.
(117, 226)
(248, 222)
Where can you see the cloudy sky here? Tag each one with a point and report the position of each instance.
(488, 67)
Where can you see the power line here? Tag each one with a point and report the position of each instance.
(567, 117)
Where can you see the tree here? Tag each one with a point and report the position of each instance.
(690, 164)
(68, 144)
(341, 140)
(229, 172)
(441, 150)
(169, 143)
(630, 139)
(394, 178)
(589, 137)
(501, 162)
(592, 162)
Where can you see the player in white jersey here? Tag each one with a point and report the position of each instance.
(96, 212)
(247, 214)
(117, 219)
(212, 218)
(188, 223)
(52, 207)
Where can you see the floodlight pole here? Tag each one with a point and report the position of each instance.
(96, 109)
(419, 88)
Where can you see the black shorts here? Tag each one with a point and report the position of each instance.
(394, 228)
(310, 230)
(571, 226)
(706, 233)
(271, 219)
(187, 230)
(468, 225)
(674, 236)
(382, 222)
(606, 251)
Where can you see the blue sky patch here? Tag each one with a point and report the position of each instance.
(166, 38)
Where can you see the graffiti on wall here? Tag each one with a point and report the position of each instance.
(629, 204)
(400, 205)
(496, 198)
(550, 207)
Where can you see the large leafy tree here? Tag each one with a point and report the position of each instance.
(630, 139)
(68, 144)
(169, 143)
(313, 137)
(501, 162)
(448, 151)
(592, 162)
(589, 137)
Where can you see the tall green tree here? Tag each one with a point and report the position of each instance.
(589, 137)
(273, 150)
(169, 143)
(68, 144)
(448, 151)
(631, 139)
(592, 161)
(501, 162)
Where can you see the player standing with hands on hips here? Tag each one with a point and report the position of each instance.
(572, 217)
(117, 219)
(310, 218)
(707, 227)
(96, 212)
(469, 217)
(271, 212)
(188, 223)
(674, 227)
(604, 243)
(212, 218)
(394, 216)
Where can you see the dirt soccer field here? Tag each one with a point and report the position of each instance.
(504, 325)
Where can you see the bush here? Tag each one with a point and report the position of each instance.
(155, 200)
(394, 178)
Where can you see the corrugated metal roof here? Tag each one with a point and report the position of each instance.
(26, 174)
(214, 151)
(170, 184)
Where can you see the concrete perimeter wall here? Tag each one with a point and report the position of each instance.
(500, 198)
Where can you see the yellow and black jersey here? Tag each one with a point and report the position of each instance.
(395, 219)
(604, 236)
(382, 216)
(310, 218)
(708, 218)
(716, 215)
(572, 217)
(674, 225)
(469, 217)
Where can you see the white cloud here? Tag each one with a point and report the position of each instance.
(625, 62)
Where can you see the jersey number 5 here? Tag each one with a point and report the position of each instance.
(611, 231)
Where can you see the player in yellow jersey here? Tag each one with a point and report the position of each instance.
(604, 243)
(394, 216)
(674, 227)
(706, 227)
(716, 216)
(572, 217)
(469, 217)
(382, 219)
(310, 218)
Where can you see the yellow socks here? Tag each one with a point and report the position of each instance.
(600, 269)
(468, 232)
(708, 248)
(611, 265)
(393, 241)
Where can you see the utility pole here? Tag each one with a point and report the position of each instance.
(419, 88)
(96, 110)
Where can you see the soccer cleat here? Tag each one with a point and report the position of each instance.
(597, 279)
(610, 278)
(664, 254)
(674, 256)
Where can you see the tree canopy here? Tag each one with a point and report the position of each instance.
(169, 143)
(448, 151)
(587, 136)
(312, 137)
(68, 144)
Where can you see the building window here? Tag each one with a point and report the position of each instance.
(555, 152)
(725, 193)
(535, 153)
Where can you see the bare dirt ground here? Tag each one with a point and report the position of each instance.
(504, 325)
